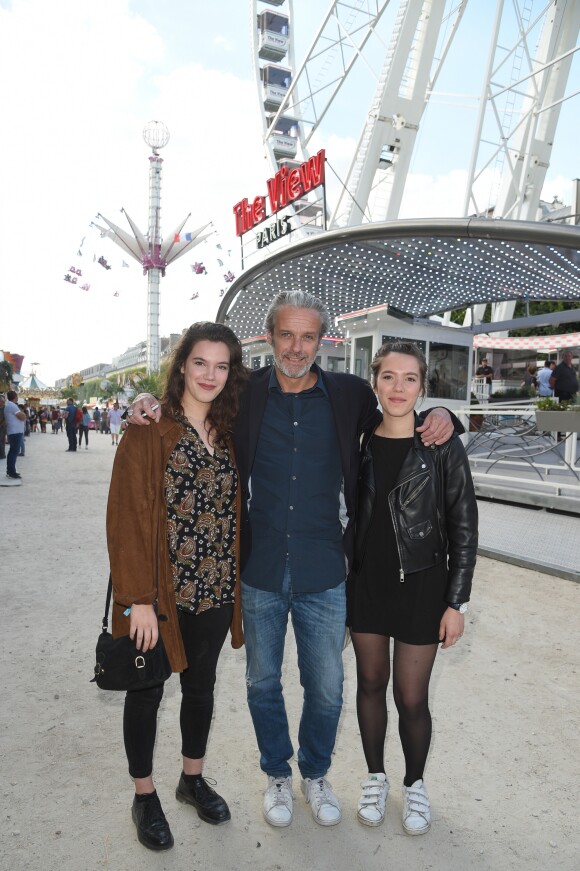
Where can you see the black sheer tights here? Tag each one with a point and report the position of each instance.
(412, 666)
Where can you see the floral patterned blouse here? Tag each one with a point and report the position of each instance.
(200, 492)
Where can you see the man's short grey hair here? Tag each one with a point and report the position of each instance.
(297, 299)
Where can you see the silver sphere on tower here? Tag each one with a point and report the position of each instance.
(156, 135)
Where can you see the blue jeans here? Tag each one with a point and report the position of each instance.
(72, 438)
(319, 626)
(16, 441)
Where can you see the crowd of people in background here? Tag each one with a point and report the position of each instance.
(553, 379)
(39, 418)
(33, 418)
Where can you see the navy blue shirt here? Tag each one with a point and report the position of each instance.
(295, 494)
(566, 380)
(71, 411)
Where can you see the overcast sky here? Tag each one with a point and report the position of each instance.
(78, 82)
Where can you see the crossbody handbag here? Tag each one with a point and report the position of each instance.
(119, 665)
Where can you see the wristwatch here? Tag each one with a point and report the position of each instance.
(462, 607)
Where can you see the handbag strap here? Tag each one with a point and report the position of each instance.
(108, 603)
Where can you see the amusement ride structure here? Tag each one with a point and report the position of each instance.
(383, 277)
(151, 251)
(523, 88)
(532, 44)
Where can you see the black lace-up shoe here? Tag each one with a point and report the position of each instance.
(210, 806)
(152, 828)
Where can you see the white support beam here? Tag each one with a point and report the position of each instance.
(516, 128)
(376, 180)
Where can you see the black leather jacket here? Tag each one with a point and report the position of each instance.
(434, 512)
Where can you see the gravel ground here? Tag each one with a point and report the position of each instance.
(502, 773)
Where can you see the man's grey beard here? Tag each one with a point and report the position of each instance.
(292, 373)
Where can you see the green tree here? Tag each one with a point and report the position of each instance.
(109, 390)
(148, 384)
(458, 315)
(542, 308)
(532, 308)
(153, 383)
(5, 374)
(90, 389)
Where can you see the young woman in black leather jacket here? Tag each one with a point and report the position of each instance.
(415, 552)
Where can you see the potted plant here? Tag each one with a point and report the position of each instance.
(509, 394)
(554, 416)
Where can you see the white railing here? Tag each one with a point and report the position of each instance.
(510, 458)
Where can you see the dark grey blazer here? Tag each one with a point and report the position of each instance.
(355, 410)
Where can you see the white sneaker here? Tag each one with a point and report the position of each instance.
(371, 805)
(416, 809)
(323, 802)
(278, 801)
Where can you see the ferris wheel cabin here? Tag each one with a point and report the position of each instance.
(284, 137)
(273, 37)
(276, 81)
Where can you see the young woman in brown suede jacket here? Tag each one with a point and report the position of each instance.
(173, 522)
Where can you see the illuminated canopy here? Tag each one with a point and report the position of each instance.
(421, 267)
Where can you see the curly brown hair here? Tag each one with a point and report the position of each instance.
(225, 407)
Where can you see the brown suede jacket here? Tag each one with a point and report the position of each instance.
(137, 535)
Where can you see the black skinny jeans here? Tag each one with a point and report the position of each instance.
(203, 637)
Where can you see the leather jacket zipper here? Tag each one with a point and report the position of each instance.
(417, 489)
(404, 505)
(395, 527)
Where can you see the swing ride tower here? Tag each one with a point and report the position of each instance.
(153, 253)
(156, 135)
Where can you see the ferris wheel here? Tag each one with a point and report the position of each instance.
(531, 51)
